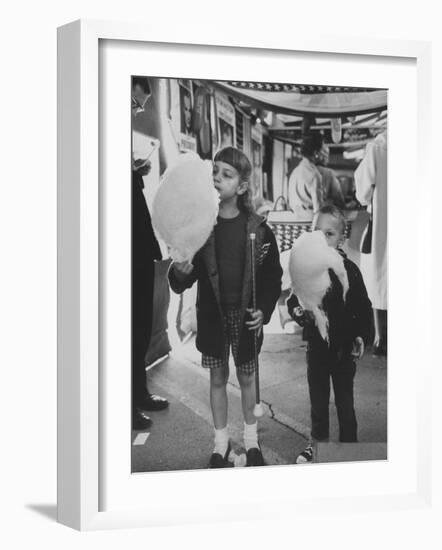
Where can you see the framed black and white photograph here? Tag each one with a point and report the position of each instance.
(294, 367)
(240, 311)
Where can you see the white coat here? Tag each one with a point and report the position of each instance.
(305, 187)
(371, 191)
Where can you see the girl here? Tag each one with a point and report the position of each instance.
(225, 319)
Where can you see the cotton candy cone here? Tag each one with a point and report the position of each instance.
(310, 260)
(185, 207)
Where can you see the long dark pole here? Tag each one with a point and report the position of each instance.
(258, 410)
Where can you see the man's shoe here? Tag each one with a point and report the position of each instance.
(140, 421)
(254, 457)
(380, 350)
(219, 461)
(154, 403)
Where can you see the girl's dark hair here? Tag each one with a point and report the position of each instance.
(239, 161)
(311, 143)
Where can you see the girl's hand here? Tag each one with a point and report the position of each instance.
(182, 269)
(256, 319)
(358, 348)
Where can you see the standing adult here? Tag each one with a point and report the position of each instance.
(305, 183)
(331, 187)
(145, 250)
(371, 191)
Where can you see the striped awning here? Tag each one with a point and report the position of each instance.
(299, 88)
(313, 99)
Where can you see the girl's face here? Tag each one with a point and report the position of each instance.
(227, 181)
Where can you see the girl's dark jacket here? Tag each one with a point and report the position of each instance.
(210, 332)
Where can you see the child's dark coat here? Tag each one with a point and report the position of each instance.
(346, 320)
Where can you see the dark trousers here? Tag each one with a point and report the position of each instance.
(145, 250)
(321, 366)
(142, 305)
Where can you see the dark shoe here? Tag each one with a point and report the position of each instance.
(154, 403)
(254, 457)
(219, 461)
(140, 421)
(380, 350)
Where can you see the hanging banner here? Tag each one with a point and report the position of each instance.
(336, 130)
(246, 136)
(226, 121)
(186, 104)
(257, 133)
(201, 121)
(256, 146)
(181, 114)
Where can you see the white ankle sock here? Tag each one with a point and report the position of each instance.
(251, 436)
(221, 441)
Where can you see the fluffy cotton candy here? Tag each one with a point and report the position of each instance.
(310, 260)
(185, 207)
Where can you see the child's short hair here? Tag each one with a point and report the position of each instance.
(239, 161)
(334, 211)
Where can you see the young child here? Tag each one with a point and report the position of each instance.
(349, 332)
(225, 317)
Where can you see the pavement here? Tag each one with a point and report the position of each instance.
(181, 437)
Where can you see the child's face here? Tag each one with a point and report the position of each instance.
(227, 181)
(332, 229)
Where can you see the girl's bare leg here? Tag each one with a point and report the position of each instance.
(247, 385)
(218, 396)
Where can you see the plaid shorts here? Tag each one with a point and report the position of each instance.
(232, 317)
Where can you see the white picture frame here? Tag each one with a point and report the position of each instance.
(80, 437)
